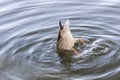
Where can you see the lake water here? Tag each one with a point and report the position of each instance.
(28, 34)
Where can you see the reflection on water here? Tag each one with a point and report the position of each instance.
(28, 33)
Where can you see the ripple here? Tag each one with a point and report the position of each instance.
(29, 32)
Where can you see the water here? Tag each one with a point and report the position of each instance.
(28, 33)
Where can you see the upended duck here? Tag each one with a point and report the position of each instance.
(66, 41)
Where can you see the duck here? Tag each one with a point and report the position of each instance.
(66, 41)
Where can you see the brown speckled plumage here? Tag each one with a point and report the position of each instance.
(66, 41)
(65, 38)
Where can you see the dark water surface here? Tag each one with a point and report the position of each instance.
(28, 33)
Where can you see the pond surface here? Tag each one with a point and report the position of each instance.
(28, 34)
